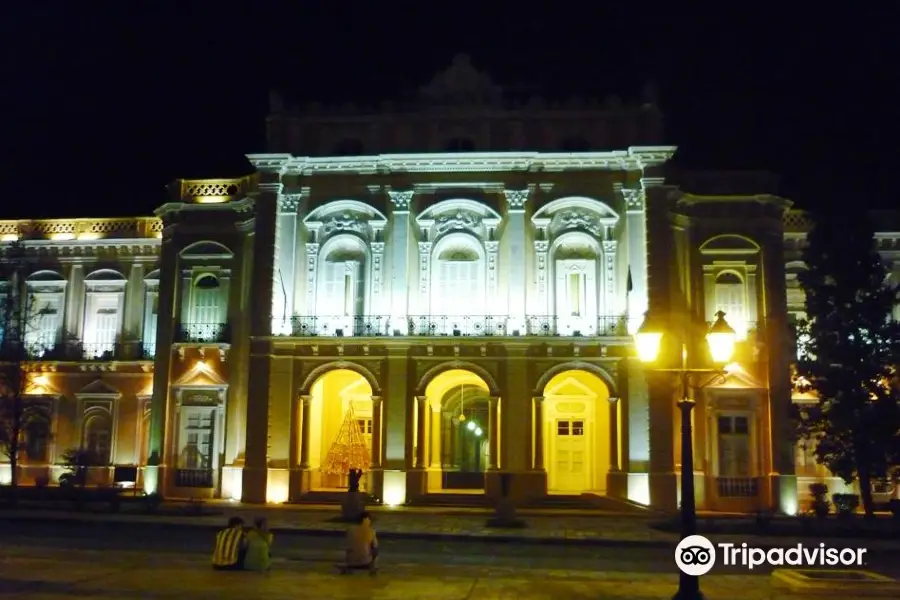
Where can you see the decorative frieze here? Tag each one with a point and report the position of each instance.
(345, 222)
(609, 275)
(312, 261)
(377, 249)
(540, 253)
(579, 220)
(492, 249)
(424, 269)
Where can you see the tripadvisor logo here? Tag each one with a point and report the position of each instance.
(695, 555)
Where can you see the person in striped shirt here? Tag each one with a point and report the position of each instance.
(231, 546)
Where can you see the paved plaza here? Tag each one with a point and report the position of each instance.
(437, 524)
(33, 573)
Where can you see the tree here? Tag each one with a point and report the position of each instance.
(21, 418)
(848, 349)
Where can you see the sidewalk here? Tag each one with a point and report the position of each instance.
(98, 575)
(617, 530)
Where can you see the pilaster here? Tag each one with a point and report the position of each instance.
(541, 248)
(399, 260)
(515, 233)
(285, 262)
(636, 239)
(397, 427)
(312, 263)
(609, 279)
(255, 472)
(515, 417)
(134, 306)
(376, 304)
(491, 249)
(160, 409)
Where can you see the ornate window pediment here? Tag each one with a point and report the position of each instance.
(461, 220)
(346, 216)
(576, 213)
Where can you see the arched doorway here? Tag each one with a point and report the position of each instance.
(458, 442)
(340, 429)
(576, 433)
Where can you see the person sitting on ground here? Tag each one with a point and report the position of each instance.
(362, 545)
(259, 544)
(231, 546)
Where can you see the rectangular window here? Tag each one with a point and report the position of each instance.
(42, 329)
(197, 438)
(101, 326)
(151, 310)
(577, 427)
(576, 293)
(734, 446)
(562, 427)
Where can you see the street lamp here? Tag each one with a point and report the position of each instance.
(721, 340)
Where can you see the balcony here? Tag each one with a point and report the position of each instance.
(202, 333)
(737, 487)
(194, 478)
(454, 326)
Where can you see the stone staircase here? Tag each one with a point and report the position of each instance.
(451, 500)
(586, 502)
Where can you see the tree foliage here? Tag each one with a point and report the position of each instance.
(21, 418)
(848, 349)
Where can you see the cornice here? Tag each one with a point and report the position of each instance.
(632, 159)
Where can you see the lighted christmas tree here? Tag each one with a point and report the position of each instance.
(349, 450)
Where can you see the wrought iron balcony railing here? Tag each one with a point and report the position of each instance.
(454, 326)
(737, 487)
(194, 478)
(203, 333)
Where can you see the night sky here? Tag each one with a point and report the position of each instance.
(101, 111)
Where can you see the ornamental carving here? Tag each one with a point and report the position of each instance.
(288, 203)
(401, 199)
(424, 267)
(455, 222)
(516, 199)
(572, 219)
(634, 200)
(377, 259)
(312, 260)
(344, 222)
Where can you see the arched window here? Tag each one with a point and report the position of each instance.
(575, 261)
(460, 145)
(731, 298)
(349, 147)
(341, 290)
(575, 144)
(104, 304)
(46, 304)
(97, 437)
(458, 280)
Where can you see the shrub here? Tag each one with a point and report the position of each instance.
(845, 504)
(894, 506)
(820, 504)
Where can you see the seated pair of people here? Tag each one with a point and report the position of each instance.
(239, 548)
(362, 545)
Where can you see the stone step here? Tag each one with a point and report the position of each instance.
(450, 499)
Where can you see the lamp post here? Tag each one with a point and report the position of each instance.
(721, 340)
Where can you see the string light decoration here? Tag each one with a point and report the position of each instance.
(349, 449)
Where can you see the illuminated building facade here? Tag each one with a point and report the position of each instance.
(465, 311)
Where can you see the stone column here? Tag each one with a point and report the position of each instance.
(515, 262)
(494, 432)
(306, 402)
(376, 432)
(399, 260)
(421, 430)
(434, 458)
(614, 434)
(295, 436)
(538, 433)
